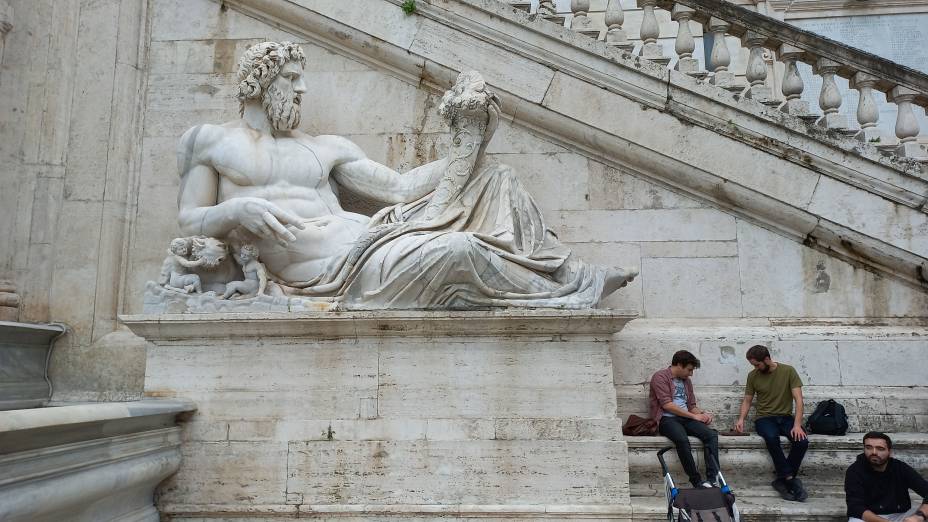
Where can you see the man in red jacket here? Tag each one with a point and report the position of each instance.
(876, 486)
(673, 407)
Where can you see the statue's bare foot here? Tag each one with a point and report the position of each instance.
(617, 278)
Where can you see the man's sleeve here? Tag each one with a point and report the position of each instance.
(794, 380)
(854, 494)
(749, 387)
(660, 390)
(916, 483)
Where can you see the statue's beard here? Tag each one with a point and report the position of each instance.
(282, 110)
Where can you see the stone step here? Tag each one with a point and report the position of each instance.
(755, 509)
(748, 468)
(889, 409)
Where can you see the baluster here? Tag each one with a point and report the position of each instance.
(720, 58)
(829, 99)
(581, 22)
(685, 44)
(906, 125)
(792, 84)
(756, 72)
(548, 11)
(867, 111)
(522, 5)
(615, 35)
(650, 32)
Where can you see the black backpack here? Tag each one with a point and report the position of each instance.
(828, 418)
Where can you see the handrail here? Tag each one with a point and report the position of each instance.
(904, 86)
(777, 33)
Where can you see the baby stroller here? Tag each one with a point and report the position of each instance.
(698, 505)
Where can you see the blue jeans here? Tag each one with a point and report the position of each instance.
(770, 429)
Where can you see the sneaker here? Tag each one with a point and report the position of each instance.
(799, 492)
(783, 489)
(707, 485)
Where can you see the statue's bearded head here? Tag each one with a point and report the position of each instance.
(273, 73)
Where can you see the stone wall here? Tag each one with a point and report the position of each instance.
(70, 94)
(696, 260)
(89, 130)
(705, 271)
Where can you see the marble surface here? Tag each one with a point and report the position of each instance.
(461, 233)
(89, 462)
(457, 421)
(24, 350)
(382, 323)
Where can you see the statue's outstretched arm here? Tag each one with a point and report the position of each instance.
(371, 179)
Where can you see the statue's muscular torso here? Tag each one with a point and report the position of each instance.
(290, 170)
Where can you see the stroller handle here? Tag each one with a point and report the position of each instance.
(660, 457)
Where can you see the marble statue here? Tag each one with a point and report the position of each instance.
(175, 273)
(459, 233)
(255, 275)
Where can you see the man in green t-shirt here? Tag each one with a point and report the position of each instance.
(777, 387)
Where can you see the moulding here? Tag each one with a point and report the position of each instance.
(88, 461)
(394, 323)
(520, 511)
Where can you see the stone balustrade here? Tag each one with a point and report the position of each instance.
(768, 39)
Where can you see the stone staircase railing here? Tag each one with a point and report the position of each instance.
(766, 37)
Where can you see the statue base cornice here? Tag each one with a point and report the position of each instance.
(379, 323)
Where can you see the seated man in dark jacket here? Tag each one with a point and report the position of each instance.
(877, 486)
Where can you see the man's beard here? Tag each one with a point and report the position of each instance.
(283, 111)
(876, 460)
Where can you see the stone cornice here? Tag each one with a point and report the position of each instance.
(402, 323)
(568, 55)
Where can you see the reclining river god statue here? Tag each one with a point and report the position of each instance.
(459, 232)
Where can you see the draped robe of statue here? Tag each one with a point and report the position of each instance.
(478, 240)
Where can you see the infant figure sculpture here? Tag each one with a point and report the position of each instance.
(459, 232)
(186, 253)
(255, 275)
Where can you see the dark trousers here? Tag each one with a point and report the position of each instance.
(770, 429)
(676, 429)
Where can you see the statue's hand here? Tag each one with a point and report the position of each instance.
(265, 219)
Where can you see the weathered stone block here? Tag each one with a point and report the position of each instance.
(456, 472)
(695, 287)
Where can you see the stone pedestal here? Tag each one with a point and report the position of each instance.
(393, 414)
